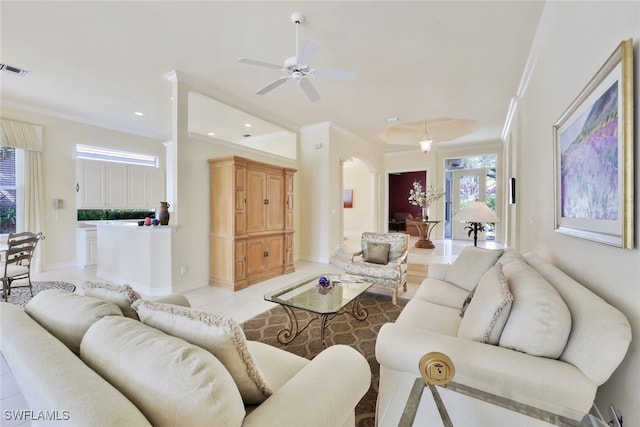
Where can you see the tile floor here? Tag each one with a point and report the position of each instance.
(241, 305)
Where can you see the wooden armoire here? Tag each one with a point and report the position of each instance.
(251, 225)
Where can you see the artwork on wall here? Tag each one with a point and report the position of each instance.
(347, 198)
(593, 150)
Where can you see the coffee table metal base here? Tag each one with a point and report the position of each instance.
(286, 335)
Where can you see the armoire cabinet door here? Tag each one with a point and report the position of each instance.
(275, 202)
(256, 201)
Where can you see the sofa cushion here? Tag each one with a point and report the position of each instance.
(539, 322)
(122, 296)
(219, 335)
(470, 265)
(52, 377)
(487, 313)
(171, 381)
(67, 315)
(441, 292)
(418, 314)
(509, 255)
(377, 253)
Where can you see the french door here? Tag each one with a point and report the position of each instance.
(468, 185)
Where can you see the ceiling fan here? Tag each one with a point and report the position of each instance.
(298, 68)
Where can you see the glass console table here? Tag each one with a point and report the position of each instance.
(481, 408)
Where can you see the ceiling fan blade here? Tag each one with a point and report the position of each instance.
(260, 63)
(274, 84)
(309, 51)
(309, 90)
(333, 74)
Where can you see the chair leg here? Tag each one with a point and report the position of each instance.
(394, 296)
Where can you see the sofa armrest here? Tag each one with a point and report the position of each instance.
(400, 348)
(334, 381)
(175, 299)
(438, 271)
(356, 255)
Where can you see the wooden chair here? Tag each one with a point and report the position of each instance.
(17, 265)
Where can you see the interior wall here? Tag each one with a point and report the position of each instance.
(359, 218)
(577, 39)
(399, 186)
(323, 148)
(190, 242)
(60, 137)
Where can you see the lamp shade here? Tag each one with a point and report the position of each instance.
(476, 212)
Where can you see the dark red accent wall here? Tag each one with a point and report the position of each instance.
(399, 186)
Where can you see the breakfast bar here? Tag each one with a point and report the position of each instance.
(136, 255)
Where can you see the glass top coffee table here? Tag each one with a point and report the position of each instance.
(326, 302)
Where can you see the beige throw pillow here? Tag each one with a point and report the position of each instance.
(220, 335)
(377, 253)
(67, 315)
(470, 265)
(540, 321)
(486, 315)
(172, 382)
(122, 296)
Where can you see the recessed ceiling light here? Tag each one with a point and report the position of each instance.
(211, 134)
(392, 119)
(138, 113)
(247, 125)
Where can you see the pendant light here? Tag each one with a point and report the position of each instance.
(426, 140)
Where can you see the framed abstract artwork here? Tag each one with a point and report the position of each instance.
(593, 154)
(347, 199)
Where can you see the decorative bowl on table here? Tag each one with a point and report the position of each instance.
(324, 285)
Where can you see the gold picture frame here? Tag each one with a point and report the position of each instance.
(594, 156)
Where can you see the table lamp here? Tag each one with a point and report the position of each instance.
(476, 215)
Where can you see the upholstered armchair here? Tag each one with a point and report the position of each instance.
(383, 258)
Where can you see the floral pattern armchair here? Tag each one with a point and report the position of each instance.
(367, 262)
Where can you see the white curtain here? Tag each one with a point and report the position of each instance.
(30, 190)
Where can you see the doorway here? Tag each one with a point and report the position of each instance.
(468, 179)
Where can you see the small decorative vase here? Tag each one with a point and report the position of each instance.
(425, 213)
(163, 215)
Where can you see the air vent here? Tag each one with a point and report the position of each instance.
(15, 70)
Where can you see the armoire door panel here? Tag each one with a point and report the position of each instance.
(276, 199)
(256, 197)
(255, 256)
(275, 250)
(240, 259)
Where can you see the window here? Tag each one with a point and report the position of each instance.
(108, 155)
(7, 190)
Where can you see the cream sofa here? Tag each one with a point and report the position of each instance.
(527, 329)
(78, 359)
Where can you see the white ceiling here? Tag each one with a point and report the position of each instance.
(100, 61)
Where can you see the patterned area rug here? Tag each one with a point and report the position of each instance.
(343, 329)
(21, 296)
